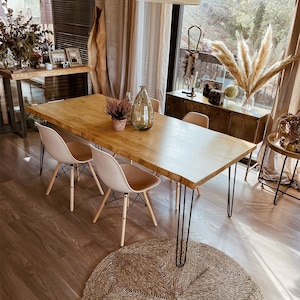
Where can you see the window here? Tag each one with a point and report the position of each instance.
(219, 20)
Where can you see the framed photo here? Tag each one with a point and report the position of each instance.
(213, 84)
(57, 57)
(73, 56)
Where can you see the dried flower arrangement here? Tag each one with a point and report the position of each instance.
(118, 109)
(288, 131)
(18, 38)
(251, 73)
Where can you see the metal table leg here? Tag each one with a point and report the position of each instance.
(185, 215)
(182, 236)
(231, 188)
(42, 153)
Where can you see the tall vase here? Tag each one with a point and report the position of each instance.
(248, 101)
(142, 111)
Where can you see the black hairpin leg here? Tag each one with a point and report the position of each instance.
(231, 188)
(42, 152)
(182, 236)
(279, 181)
(277, 190)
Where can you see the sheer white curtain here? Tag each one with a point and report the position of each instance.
(149, 53)
(287, 101)
(136, 52)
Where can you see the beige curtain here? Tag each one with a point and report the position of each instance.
(97, 52)
(129, 47)
(287, 101)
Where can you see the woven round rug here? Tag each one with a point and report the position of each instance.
(147, 270)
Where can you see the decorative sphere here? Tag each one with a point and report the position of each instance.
(231, 91)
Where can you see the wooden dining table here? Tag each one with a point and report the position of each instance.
(181, 151)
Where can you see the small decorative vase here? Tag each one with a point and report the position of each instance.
(119, 125)
(19, 64)
(142, 111)
(248, 102)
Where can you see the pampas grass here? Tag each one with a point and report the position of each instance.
(251, 73)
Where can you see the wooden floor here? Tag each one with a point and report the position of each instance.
(47, 252)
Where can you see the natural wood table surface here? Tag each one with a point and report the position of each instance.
(8, 111)
(184, 152)
(42, 72)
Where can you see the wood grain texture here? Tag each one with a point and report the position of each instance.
(179, 150)
(47, 252)
(32, 73)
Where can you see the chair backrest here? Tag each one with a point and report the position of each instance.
(197, 119)
(110, 171)
(55, 145)
(155, 104)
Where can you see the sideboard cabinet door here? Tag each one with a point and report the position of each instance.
(175, 107)
(247, 128)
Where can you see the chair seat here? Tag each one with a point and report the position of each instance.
(80, 151)
(138, 179)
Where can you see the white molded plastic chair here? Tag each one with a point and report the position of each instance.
(155, 104)
(197, 119)
(71, 153)
(200, 120)
(124, 178)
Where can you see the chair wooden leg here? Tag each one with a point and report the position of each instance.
(150, 208)
(177, 195)
(124, 214)
(72, 188)
(52, 179)
(101, 205)
(95, 178)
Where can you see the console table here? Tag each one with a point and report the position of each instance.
(20, 127)
(228, 118)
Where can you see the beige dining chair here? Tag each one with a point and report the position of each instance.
(70, 153)
(124, 178)
(155, 104)
(200, 120)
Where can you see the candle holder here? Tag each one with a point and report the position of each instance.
(192, 93)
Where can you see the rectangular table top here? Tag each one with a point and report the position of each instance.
(184, 152)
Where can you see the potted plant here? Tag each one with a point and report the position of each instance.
(252, 69)
(119, 110)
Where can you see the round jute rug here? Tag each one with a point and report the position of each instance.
(147, 270)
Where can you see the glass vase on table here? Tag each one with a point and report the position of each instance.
(142, 111)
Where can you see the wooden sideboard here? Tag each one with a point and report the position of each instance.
(228, 118)
(7, 106)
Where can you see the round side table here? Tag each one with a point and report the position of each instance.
(273, 143)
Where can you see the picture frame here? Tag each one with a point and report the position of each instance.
(214, 84)
(57, 57)
(73, 56)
